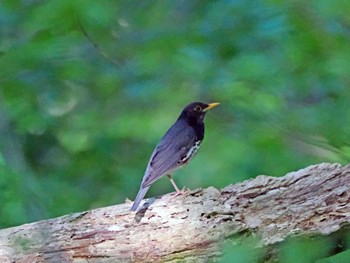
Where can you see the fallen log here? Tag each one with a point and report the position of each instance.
(192, 227)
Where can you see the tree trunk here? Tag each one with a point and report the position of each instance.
(190, 228)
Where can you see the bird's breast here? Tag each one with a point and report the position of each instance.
(191, 152)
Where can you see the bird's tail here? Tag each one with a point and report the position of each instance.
(140, 195)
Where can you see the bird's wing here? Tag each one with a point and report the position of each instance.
(173, 146)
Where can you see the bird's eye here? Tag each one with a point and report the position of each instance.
(198, 108)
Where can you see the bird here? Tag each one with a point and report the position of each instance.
(177, 148)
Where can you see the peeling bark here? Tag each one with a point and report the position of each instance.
(190, 228)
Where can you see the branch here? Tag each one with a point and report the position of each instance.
(314, 200)
(97, 47)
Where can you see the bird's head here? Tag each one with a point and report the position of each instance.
(197, 110)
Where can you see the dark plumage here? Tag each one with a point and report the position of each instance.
(177, 147)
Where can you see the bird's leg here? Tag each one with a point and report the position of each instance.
(178, 191)
(174, 184)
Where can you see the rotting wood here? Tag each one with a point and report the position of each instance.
(191, 228)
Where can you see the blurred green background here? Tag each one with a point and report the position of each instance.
(87, 89)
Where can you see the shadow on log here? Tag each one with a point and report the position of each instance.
(190, 228)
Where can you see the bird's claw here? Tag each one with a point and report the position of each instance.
(183, 191)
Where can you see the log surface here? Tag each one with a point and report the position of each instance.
(190, 228)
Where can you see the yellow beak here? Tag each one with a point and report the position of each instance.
(210, 106)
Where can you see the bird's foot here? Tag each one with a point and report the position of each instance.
(183, 191)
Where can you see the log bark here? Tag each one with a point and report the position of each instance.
(190, 228)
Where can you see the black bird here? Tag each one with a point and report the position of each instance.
(177, 147)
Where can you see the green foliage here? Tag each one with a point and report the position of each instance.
(12, 208)
(342, 257)
(246, 248)
(242, 252)
(304, 250)
(89, 87)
